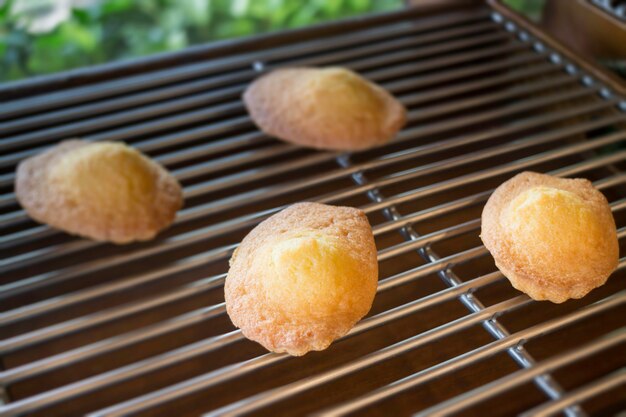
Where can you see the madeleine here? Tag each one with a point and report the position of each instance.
(553, 238)
(324, 108)
(303, 277)
(100, 190)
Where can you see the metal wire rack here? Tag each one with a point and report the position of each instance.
(616, 8)
(91, 328)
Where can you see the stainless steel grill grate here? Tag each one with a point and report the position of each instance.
(110, 331)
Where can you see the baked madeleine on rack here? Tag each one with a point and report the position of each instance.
(553, 238)
(303, 277)
(324, 108)
(105, 191)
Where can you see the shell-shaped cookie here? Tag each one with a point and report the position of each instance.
(324, 108)
(303, 277)
(101, 190)
(553, 238)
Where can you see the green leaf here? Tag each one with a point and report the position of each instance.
(113, 6)
(82, 36)
(108, 30)
(197, 12)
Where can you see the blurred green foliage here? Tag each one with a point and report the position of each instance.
(531, 8)
(46, 36)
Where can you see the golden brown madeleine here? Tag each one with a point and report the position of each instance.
(101, 190)
(303, 277)
(324, 108)
(553, 238)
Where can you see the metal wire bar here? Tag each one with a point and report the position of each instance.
(204, 381)
(515, 379)
(603, 384)
(487, 173)
(260, 400)
(148, 365)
